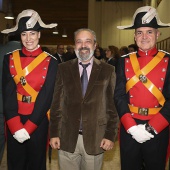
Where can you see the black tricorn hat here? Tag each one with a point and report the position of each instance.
(28, 20)
(23, 27)
(146, 16)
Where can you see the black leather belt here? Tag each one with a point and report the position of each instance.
(80, 133)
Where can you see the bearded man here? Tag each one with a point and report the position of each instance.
(83, 120)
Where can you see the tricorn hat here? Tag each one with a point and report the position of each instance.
(28, 20)
(146, 16)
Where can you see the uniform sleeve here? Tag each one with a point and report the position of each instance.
(10, 103)
(44, 99)
(162, 119)
(121, 98)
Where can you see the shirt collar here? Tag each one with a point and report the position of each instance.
(151, 52)
(34, 53)
(91, 61)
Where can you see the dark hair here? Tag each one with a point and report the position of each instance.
(102, 53)
(134, 46)
(114, 51)
(124, 50)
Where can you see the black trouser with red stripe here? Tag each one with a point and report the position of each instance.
(30, 155)
(152, 153)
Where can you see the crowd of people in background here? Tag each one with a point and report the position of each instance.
(108, 55)
(112, 53)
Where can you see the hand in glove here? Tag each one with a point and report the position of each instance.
(21, 135)
(140, 134)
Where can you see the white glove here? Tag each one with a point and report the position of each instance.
(140, 134)
(21, 135)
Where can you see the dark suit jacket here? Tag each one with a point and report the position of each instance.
(112, 62)
(99, 117)
(58, 58)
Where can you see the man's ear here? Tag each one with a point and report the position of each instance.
(95, 45)
(134, 36)
(158, 34)
(39, 34)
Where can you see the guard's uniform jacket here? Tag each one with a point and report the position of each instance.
(41, 79)
(143, 96)
(28, 83)
(145, 102)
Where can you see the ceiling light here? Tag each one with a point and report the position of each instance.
(64, 34)
(9, 15)
(55, 31)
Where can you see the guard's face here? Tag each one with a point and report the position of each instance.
(30, 39)
(84, 46)
(146, 38)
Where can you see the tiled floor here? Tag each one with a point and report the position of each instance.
(111, 160)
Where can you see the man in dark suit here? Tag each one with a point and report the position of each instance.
(82, 125)
(59, 54)
(70, 54)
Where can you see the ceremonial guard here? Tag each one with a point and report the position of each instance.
(142, 96)
(28, 81)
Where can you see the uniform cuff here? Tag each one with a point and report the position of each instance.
(127, 121)
(158, 122)
(30, 127)
(14, 124)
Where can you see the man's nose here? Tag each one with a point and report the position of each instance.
(27, 37)
(144, 35)
(83, 44)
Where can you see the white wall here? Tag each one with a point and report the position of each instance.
(104, 17)
(164, 15)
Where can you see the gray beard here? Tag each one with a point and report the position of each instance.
(84, 57)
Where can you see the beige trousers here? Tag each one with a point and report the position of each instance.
(79, 160)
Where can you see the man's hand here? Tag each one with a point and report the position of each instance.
(140, 134)
(55, 143)
(106, 144)
(21, 135)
